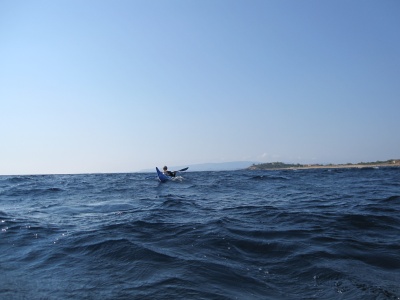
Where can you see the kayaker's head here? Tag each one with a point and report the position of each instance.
(165, 168)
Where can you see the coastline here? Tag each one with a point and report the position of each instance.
(270, 166)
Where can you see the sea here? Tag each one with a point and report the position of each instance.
(276, 234)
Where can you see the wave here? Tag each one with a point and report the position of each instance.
(268, 177)
(369, 222)
(392, 199)
(17, 179)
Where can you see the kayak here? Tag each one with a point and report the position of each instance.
(161, 176)
(164, 178)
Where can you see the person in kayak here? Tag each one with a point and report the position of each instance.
(169, 173)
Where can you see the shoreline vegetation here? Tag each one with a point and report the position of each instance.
(285, 166)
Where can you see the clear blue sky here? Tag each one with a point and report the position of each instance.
(120, 86)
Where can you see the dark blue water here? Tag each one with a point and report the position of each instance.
(309, 234)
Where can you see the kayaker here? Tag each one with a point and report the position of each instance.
(169, 173)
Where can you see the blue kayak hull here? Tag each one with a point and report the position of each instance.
(161, 176)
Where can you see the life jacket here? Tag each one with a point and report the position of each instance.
(169, 173)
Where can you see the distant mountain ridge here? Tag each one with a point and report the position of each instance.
(226, 166)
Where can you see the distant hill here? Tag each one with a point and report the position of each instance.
(227, 166)
(281, 165)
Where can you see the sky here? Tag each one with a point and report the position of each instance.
(100, 86)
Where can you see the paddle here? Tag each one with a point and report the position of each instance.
(181, 170)
(174, 172)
